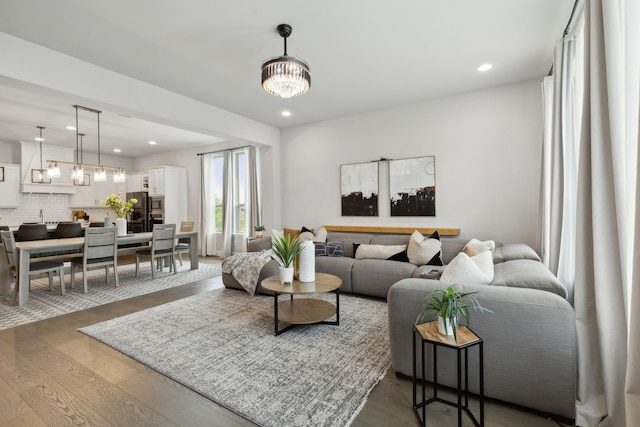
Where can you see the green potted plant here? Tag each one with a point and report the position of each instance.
(259, 229)
(450, 304)
(286, 248)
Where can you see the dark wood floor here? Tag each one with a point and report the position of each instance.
(52, 375)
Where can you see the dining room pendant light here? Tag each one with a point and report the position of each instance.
(285, 76)
(39, 176)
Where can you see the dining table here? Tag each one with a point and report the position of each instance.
(126, 245)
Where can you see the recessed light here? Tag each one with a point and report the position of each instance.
(152, 143)
(71, 127)
(286, 113)
(117, 150)
(485, 67)
(37, 138)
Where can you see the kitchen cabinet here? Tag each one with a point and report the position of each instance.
(90, 196)
(156, 181)
(134, 183)
(172, 180)
(10, 186)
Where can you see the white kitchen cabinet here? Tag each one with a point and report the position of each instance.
(173, 183)
(10, 186)
(134, 183)
(90, 196)
(156, 181)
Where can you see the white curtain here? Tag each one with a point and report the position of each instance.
(597, 238)
(253, 208)
(208, 241)
(227, 204)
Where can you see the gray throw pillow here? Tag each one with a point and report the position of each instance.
(329, 249)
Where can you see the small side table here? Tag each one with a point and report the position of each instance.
(427, 333)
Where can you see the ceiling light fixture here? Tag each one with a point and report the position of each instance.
(286, 113)
(285, 76)
(485, 67)
(100, 171)
(38, 175)
(152, 143)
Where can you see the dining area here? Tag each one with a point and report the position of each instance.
(70, 250)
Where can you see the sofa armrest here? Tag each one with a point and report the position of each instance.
(530, 348)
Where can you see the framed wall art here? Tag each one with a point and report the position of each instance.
(359, 189)
(412, 186)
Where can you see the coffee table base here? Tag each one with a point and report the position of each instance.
(304, 311)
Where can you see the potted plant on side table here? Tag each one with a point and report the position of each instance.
(286, 249)
(450, 304)
(259, 230)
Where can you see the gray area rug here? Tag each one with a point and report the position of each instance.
(43, 304)
(221, 345)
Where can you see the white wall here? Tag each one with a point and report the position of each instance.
(487, 146)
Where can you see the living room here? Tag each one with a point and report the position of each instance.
(487, 144)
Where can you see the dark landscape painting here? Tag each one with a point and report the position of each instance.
(412, 186)
(359, 189)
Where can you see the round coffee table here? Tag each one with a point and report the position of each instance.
(304, 311)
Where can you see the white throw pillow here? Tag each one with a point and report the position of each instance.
(319, 236)
(475, 246)
(276, 234)
(422, 251)
(465, 269)
(378, 251)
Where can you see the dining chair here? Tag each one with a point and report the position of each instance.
(30, 232)
(36, 267)
(100, 250)
(66, 230)
(163, 245)
(183, 244)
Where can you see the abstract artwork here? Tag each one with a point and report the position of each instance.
(412, 186)
(359, 189)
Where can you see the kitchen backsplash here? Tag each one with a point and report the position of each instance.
(55, 207)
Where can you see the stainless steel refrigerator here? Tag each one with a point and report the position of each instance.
(139, 220)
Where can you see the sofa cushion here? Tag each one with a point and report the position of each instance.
(512, 251)
(425, 250)
(374, 277)
(477, 269)
(365, 251)
(527, 273)
(348, 239)
(329, 248)
(338, 266)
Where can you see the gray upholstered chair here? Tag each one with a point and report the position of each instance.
(30, 232)
(183, 244)
(163, 245)
(100, 250)
(37, 267)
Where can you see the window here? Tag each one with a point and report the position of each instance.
(238, 193)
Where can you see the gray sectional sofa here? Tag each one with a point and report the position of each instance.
(530, 355)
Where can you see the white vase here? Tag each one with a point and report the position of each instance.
(286, 275)
(307, 263)
(450, 324)
(121, 225)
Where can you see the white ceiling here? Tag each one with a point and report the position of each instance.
(363, 54)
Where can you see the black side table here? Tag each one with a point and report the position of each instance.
(428, 334)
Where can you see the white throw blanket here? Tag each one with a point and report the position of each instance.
(245, 268)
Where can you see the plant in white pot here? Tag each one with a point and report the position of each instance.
(259, 230)
(450, 305)
(286, 249)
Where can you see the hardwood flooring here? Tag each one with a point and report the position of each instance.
(52, 375)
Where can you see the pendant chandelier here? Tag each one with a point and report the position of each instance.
(78, 167)
(38, 175)
(285, 76)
